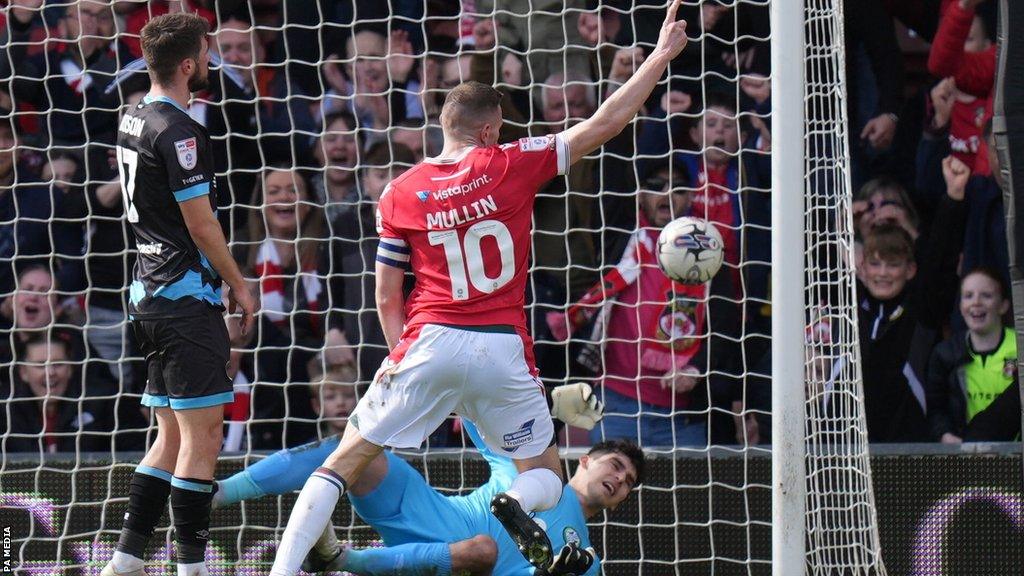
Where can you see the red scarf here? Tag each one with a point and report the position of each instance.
(669, 338)
(271, 274)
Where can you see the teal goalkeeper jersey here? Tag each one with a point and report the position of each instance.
(564, 523)
(404, 509)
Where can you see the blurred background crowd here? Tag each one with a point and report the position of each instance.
(315, 106)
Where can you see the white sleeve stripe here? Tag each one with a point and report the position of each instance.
(562, 152)
(396, 242)
(386, 252)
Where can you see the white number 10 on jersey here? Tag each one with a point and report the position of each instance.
(473, 263)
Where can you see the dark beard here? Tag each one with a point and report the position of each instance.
(197, 84)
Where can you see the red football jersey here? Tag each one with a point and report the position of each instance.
(463, 225)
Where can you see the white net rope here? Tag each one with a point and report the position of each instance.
(841, 522)
(315, 106)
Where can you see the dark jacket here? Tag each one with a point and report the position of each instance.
(75, 109)
(88, 429)
(41, 229)
(869, 25)
(894, 349)
(947, 387)
(1000, 422)
(898, 335)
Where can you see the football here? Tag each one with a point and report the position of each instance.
(690, 250)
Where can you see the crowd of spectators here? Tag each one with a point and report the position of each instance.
(313, 109)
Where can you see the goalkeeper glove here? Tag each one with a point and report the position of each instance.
(576, 405)
(570, 561)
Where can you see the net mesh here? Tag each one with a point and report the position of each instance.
(332, 96)
(839, 489)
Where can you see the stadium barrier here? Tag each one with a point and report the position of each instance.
(942, 510)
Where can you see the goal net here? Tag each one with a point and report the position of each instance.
(312, 107)
(841, 521)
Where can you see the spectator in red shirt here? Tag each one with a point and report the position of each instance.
(655, 332)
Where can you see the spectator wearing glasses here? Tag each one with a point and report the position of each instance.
(66, 83)
(879, 202)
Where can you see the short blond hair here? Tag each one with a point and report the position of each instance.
(342, 374)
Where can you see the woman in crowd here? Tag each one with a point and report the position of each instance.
(280, 247)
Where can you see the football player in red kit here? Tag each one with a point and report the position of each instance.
(461, 222)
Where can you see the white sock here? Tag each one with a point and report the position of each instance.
(327, 545)
(536, 490)
(197, 569)
(125, 562)
(310, 515)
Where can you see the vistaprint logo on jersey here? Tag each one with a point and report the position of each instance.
(423, 195)
(462, 189)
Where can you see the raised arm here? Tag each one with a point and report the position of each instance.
(619, 109)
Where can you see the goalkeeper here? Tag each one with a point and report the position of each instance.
(428, 533)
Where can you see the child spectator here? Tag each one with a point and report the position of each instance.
(333, 398)
(968, 371)
(337, 152)
(901, 312)
(50, 407)
(731, 191)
